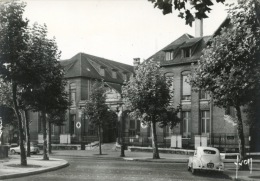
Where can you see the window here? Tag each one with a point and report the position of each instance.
(169, 55)
(125, 76)
(167, 130)
(102, 71)
(210, 152)
(62, 129)
(72, 94)
(205, 122)
(186, 126)
(170, 79)
(186, 52)
(204, 95)
(138, 124)
(114, 76)
(72, 123)
(132, 124)
(186, 88)
(134, 127)
(53, 129)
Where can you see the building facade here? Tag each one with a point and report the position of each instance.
(81, 71)
(202, 122)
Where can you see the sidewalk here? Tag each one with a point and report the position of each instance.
(10, 168)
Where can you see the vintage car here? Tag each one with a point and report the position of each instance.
(33, 149)
(205, 158)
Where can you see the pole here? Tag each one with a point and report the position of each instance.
(121, 135)
(237, 167)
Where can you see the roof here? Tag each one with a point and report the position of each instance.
(184, 41)
(88, 66)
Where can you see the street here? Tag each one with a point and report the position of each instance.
(105, 168)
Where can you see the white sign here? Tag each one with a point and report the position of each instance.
(176, 141)
(78, 125)
(143, 125)
(200, 141)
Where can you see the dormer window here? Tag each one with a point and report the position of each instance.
(125, 76)
(114, 74)
(186, 52)
(169, 55)
(102, 71)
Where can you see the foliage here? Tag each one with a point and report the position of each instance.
(8, 116)
(229, 67)
(98, 111)
(13, 63)
(148, 96)
(201, 8)
(96, 108)
(5, 94)
(46, 92)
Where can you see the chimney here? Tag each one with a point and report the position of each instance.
(198, 27)
(136, 62)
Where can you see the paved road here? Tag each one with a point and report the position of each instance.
(94, 168)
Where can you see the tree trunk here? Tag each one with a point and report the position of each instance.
(20, 125)
(154, 142)
(241, 139)
(49, 138)
(27, 128)
(99, 137)
(44, 132)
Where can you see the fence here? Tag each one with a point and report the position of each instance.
(223, 141)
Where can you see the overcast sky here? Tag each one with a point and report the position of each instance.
(118, 30)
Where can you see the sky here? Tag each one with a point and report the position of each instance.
(118, 30)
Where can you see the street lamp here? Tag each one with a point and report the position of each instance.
(120, 127)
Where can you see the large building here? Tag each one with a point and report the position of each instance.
(81, 71)
(202, 122)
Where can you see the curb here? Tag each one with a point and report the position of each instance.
(161, 160)
(16, 175)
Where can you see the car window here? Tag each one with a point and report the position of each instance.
(211, 152)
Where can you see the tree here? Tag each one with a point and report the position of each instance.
(148, 96)
(98, 111)
(229, 67)
(201, 8)
(56, 115)
(47, 87)
(13, 45)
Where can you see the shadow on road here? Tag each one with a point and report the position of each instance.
(210, 174)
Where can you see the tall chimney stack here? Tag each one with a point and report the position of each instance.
(198, 27)
(136, 62)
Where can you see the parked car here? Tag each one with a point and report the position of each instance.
(33, 149)
(205, 158)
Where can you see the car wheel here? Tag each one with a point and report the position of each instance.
(13, 152)
(193, 171)
(189, 168)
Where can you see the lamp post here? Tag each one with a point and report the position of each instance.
(120, 130)
(1, 130)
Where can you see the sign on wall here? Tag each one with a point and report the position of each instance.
(78, 125)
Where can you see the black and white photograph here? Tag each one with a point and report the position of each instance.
(129, 90)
